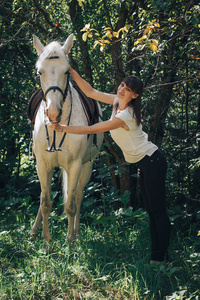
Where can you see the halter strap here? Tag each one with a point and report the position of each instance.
(53, 148)
(54, 88)
(69, 118)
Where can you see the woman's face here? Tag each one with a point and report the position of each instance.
(125, 93)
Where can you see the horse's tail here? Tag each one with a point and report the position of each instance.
(64, 184)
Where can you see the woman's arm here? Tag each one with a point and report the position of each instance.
(96, 128)
(89, 91)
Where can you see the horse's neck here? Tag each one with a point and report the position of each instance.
(66, 110)
(72, 108)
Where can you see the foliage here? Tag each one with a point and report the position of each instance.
(107, 37)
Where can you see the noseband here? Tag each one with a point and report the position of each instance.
(53, 148)
(55, 87)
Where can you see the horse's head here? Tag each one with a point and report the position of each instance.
(53, 69)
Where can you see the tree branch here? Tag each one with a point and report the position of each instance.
(23, 18)
(45, 15)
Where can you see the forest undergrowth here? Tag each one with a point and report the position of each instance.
(109, 261)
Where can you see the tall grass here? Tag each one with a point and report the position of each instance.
(109, 261)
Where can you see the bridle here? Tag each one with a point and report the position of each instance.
(53, 147)
(55, 87)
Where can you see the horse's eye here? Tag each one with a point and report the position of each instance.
(67, 72)
(39, 73)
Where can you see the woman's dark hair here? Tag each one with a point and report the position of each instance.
(136, 85)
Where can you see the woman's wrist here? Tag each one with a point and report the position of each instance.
(71, 69)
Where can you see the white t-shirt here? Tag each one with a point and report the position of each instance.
(133, 142)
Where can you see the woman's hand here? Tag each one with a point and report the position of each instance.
(96, 128)
(57, 127)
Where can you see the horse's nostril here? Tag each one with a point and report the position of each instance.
(59, 116)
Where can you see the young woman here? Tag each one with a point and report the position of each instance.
(126, 130)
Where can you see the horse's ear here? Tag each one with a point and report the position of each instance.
(68, 44)
(37, 45)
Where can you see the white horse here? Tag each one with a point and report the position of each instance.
(63, 104)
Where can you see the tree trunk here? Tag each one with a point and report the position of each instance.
(157, 125)
(75, 12)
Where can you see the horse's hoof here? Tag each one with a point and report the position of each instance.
(46, 237)
(47, 248)
(34, 235)
(70, 242)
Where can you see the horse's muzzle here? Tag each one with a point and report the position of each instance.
(53, 118)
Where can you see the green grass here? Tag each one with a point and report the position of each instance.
(109, 261)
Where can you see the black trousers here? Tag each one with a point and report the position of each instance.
(152, 173)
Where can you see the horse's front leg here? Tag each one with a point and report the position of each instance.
(70, 196)
(45, 177)
(84, 179)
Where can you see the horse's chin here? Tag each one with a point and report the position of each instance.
(55, 121)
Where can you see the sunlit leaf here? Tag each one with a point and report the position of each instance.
(156, 24)
(107, 42)
(102, 48)
(84, 36)
(144, 37)
(126, 28)
(86, 27)
(95, 44)
(115, 34)
(109, 34)
(108, 28)
(153, 47)
(147, 30)
(155, 42)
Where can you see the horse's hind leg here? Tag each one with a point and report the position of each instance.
(84, 179)
(37, 223)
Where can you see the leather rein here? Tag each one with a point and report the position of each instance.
(53, 147)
